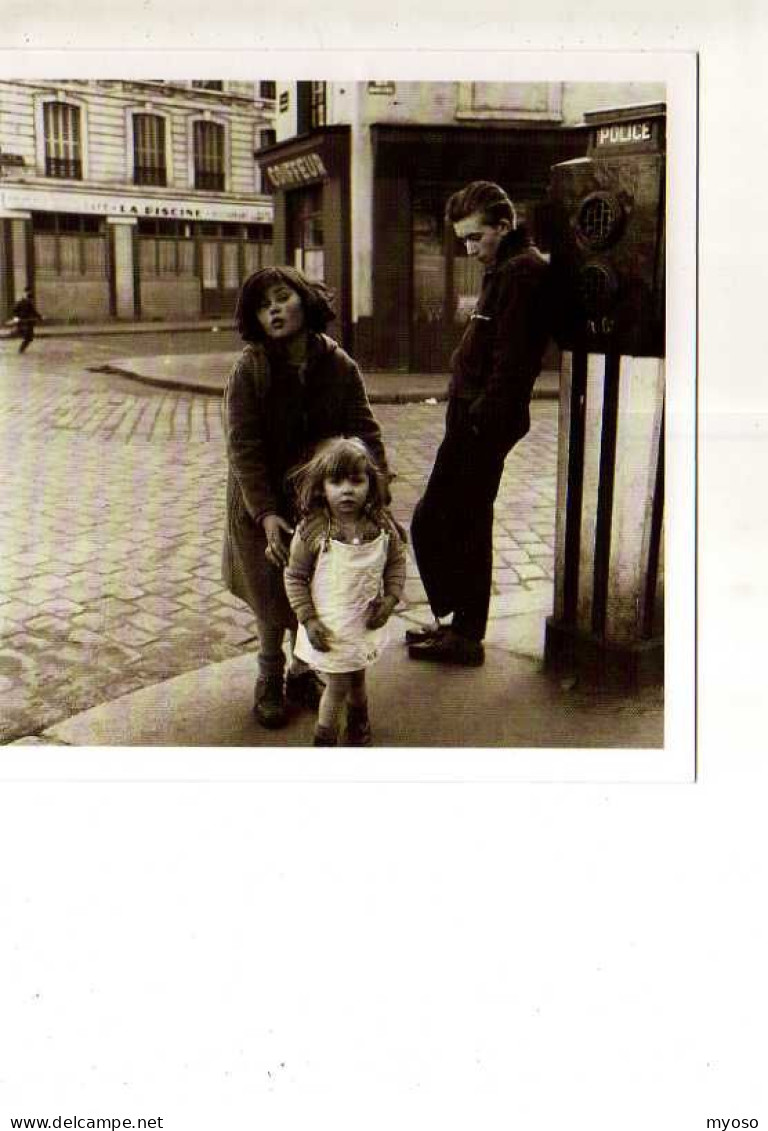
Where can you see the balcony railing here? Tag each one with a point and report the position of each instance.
(149, 175)
(205, 179)
(70, 168)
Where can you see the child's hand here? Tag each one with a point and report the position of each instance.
(379, 611)
(275, 530)
(319, 635)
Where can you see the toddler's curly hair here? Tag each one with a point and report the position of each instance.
(334, 459)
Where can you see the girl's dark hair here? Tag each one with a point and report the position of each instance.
(485, 197)
(316, 300)
(335, 459)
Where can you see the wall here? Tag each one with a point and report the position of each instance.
(170, 299)
(285, 121)
(581, 96)
(109, 162)
(76, 301)
(17, 126)
(412, 102)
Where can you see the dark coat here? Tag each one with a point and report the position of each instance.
(274, 418)
(499, 356)
(26, 312)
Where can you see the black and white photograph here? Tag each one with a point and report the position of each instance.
(208, 284)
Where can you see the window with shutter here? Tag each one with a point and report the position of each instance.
(209, 156)
(149, 164)
(63, 153)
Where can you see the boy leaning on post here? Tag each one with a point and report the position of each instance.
(493, 372)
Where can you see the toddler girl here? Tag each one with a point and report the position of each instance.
(345, 574)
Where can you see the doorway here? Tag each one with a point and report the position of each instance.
(306, 237)
(219, 272)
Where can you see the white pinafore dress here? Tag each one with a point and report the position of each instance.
(347, 577)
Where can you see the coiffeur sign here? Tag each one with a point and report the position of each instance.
(297, 171)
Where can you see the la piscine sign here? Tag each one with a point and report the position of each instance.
(138, 207)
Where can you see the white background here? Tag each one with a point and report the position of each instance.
(547, 956)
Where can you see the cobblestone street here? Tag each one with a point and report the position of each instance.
(111, 519)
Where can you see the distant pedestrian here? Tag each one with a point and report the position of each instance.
(493, 372)
(291, 387)
(25, 315)
(344, 577)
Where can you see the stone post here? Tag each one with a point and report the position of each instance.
(121, 233)
(608, 607)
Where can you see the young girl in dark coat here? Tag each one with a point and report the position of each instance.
(291, 387)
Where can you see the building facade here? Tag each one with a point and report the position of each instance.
(361, 171)
(130, 199)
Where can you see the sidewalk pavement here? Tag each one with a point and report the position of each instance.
(509, 702)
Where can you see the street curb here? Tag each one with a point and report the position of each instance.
(214, 703)
(190, 387)
(373, 397)
(158, 382)
(73, 330)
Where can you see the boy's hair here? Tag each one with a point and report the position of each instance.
(334, 459)
(485, 197)
(316, 300)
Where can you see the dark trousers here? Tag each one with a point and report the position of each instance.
(27, 335)
(452, 526)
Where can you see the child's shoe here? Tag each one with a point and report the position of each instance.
(358, 726)
(304, 689)
(269, 701)
(324, 736)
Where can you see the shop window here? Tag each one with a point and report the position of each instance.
(149, 166)
(257, 255)
(306, 237)
(428, 257)
(209, 156)
(166, 248)
(63, 141)
(230, 267)
(166, 257)
(67, 246)
(185, 257)
(258, 250)
(45, 222)
(260, 233)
